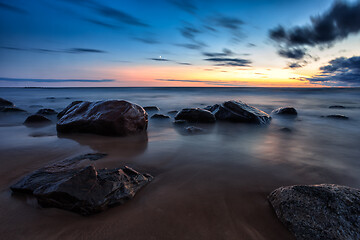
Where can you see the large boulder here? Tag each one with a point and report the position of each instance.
(315, 212)
(195, 115)
(237, 111)
(84, 190)
(6, 103)
(111, 117)
(288, 111)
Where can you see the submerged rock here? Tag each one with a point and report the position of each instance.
(46, 111)
(285, 111)
(192, 129)
(111, 117)
(338, 116)
(337, 106)
(33, 119)
(160, 116)
(317, 212)
(237, 111)
(6, 103)
(83, 190)
(151, 108)
(195, 115)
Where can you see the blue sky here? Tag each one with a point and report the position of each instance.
(141, 43)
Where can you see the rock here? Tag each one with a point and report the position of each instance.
(6, 103)
(195, 115)
(315, 212)
(285, 111)
(11, 109)
(50, 98)
(337, 106)
(60, 114)
(286, 129)
(180, 121)
(160, 116)
(338, 116)
(173, 112)
(111, 117)
(192, 129)
(36, 119)
(152, 108)
(46, 111)
(84, 190)
(237, 111)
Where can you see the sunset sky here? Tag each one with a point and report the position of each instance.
(211, 43)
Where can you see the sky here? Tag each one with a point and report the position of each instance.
(169, 43)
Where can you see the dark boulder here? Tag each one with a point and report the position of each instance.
(46, 111)
(195, 115)
(319, 212)
(337, 107)
(11, 109)
(338, 116)
(237, 111)
(173, 112)
(35, 119)
(84, 190)
(62, 113)
(151, 108)
(111, 117)
(290, 111)
(160, 116)
(6, 103)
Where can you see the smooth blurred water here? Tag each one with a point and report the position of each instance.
(222, 175)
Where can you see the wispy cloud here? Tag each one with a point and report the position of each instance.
(238, 62)
(12, 8)
(225, 52)
(213, 83)
(55, 80)
(185, 5)
(44, 50)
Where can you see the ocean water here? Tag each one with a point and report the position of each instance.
(212, 185)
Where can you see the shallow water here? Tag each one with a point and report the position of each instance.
(207, 186)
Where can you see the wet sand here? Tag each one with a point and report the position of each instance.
(207, 186)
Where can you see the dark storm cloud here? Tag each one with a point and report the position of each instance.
(336, 24)
(12, 8)
(238, 62)
(185, 5)
(339, 71)
(226, 52)
(54, 80)
(43, 50)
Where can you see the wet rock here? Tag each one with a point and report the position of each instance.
(173, 112)
(111, 117)
(319, 212)
(6, 103)
(84, 190)
(46, 111)
(195, 115)
(337, 106)
(338, 116)
(290, 111)
(34, 119)
(151, 108)
(11, 109)
(180, 121)
(60, 114)
(192, 129)
(160, 116)
(237, 111)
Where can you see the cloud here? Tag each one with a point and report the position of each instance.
(238, 62)
(214, 83)
(294, 65)
(54, 80)
(341, 20)
(12, 8)
(192, 46)
(160, 59)
(184, 63)
(339, 72)
(225, 52)
(101, 23)
(231, 23)
(189, 32)
(148, 40)
(185, 5)
(251, 45)
(44, 50)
